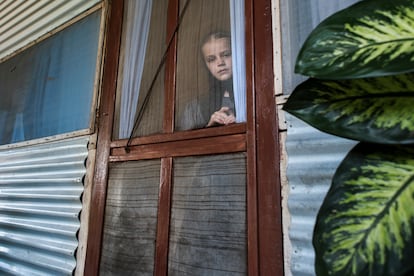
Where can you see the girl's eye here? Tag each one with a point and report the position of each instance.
(210, 59)
(226, 54)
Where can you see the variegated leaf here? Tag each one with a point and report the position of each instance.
(376, 110)
(370, 38)
(366, 222)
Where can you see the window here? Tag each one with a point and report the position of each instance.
(210, 64)
(199, 92)
(48, 88)
(205, 181)
(204, 84)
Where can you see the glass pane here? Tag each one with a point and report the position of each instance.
(130, 218)
(206, 75)
(208, 220)
(47, 89)
(141, 90)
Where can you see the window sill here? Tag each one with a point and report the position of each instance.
(212, 140)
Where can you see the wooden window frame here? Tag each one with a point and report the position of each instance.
(258, 137)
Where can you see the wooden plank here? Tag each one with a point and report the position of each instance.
(170, 67)
(164, 211)
(213, 145)
(183, 135)
(105, 119)
(252, 220)
(267, 147)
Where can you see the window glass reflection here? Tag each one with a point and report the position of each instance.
(47, 89)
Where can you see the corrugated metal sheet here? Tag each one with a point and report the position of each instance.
(22, 22)
(40, 202)
(313, 157)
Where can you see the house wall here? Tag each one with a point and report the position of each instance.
(312, 158)
(44, 183)
(23, 23)
(41, 188)
(308, 162)
(309, 157)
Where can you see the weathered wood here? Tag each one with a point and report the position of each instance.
(183, 135)
(252, 208)
(267, 146)
(202, 146)
(164, 211)
(106, 113)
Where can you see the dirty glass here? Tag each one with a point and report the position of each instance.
(48, 88)
(210, 65)
(130, 218)
(208, 233)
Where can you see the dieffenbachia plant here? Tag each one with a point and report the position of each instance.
(361, 67)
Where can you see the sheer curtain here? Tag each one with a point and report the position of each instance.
(238, 55)
(138, 15)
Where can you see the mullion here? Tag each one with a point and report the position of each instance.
(163, 219)
(164, 199)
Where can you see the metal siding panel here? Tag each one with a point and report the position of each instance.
(313, 157)
(40, 202)
(22, 22)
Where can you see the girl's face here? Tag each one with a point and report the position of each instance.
(217, 56)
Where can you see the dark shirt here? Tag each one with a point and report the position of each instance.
(198, 112)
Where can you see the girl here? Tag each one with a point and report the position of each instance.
(216, 108)
(216, 52)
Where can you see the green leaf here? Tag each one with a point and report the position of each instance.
(366, 222)
(370, 38)
(376, 110)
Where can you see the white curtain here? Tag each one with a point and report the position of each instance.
(238, 55)
(138, 15)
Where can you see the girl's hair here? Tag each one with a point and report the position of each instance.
(215, 35)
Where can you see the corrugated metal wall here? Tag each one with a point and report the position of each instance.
(22, 22)
(40, 185)
(313, 157)
(40, 202)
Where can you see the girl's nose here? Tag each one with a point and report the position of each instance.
(221, 61)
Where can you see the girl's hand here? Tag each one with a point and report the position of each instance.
(222, 117)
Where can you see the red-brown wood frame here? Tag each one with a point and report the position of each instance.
(104, 124)
(252, 214)
(258, 137)
(267, 156)
(164, 199)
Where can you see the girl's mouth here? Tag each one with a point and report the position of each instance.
(223, 71)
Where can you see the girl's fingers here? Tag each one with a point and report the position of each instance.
(221, 117)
